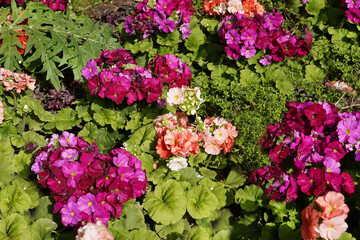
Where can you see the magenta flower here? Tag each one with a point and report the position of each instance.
(167, 26)
(233, 51)
(102, 215)
(90, 70)
(166, 6)
(129, 27)
(331, 165)
(232, 36)
(249, 37)
(265, 60)
(70, 214)
(172, 61)
(333, 181)
(316, 114)
(313, 182)
(69, 154)
(348, 130)
(248, 51)
(87, 203)
(352, 3)
(353, 15)
(348, 186)
(73, 172)
(68, 139)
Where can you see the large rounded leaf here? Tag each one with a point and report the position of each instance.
(14, 227)
(167, 205)
(201, 202)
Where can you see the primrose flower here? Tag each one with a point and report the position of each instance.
(175, 96)
(348, 130)
(87, 203)
(68, 139)
(333, 228)
(90, 70)
(92, 231)
(70, 214)
(177, 163)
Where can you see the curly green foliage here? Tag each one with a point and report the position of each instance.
(56, 41)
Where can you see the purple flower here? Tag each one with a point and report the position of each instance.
(68, 139)
(90, 70)
(353, 15)
(166, 6)
(348, 130)
(248, 51)
(87, 203)
(265, 60)
(232, 36)
(70, 214)
(249, 37)
(161, 103)
(129, 27)
(233, 51)
(69, 154)
(331, 165)
(185, 31)
(167, 26)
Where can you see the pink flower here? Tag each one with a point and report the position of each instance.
(333, 205)
(1, 112)
(221, 134)
(87, 203)
(68, 139)
(92, 231)
(73, 172)
(333, 228)
(70, 214)
(175, 96)
(212, 145)
(310, 223)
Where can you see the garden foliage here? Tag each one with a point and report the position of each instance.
(170, 127)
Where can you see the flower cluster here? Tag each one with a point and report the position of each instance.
(52, 4)
(305, 149)
(325, 218)
(224, 7)
(115, 75)
(176, 136)
(22, 38)
(18, 81)
(186, 99)
(1, 112)
(243, 36)
(164, 15)
(19, 2)
(171, 69)
(353, 10)
(86, 185)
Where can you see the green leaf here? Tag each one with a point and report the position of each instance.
(43, 210)
(30, 189)
(250, 198)
(34, 137)
(14, 227)
(222, 235)
(285, 87)
(313, 7)
(198, 233)
(117, 228)
(135, 122)
(143, 138)
(234, 179)
(346, 236)
(106, 139)
(167, 204)
(200, 158)
(42, 228)
(189, 174)
(134, 218)
(21, 160)
(314, 74)
(208, 173)
(7, 166)
(248, 78)
(66, 119)
(14, 199)
(217, 189)
(211, 24)
(201, 202)
(89, 132)
(17, 141)
(142, 234)
(165, 230)
(269, 232)
(37, 108)
(195, 40)
(287, 231)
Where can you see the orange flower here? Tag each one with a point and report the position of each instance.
(333, 205)
(310, 223)
(161, 148)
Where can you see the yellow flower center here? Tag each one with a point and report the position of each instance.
(73, 174)
(72, 214)
(89, 204)
(347, 131)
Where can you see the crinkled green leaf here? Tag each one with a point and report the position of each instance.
(147, 162)
(34, 137)
(117, 228)
(159, 175)
(199, 158)
(17, 141)
(314, 74)
(198, 233)
(346, 236)
(285, 87)
(170, 40)
(269, 231)
(195, 40)
(211, 24)
(250, 198)
(190, 175)
(89, 132)
(30, 189)
(142, 234)
(222, 235)
(224, 221)
(14, 227)
(143, 137)
(43, 210)
(314, 7)
(217, 189)
(164, 230)
(14, 199)
(200, 202)
(234, 179)
(65, 119)
(248, 78)
(7, 130)
(6, 165)
(83, 111)
(106, 139)
(37, 108)
(208, 173)
(42, 228)
(167, 204)
(135, 122)
(287, 230)
(134, 218)
(21, 160)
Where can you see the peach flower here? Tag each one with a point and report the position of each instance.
(333, 205)
(310, 223)
(92, 231)
(212, 145)
(333, 228)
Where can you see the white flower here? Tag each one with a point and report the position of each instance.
(177, 163)
(175, 96)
